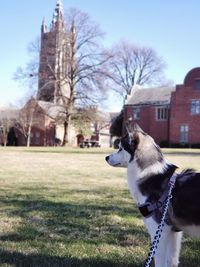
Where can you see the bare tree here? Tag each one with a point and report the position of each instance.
(8, 119)
(86, 60)
(31, 115)
(131, 65)
(82, 73)
(25, 121)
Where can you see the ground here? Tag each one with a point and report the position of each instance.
(67, 207)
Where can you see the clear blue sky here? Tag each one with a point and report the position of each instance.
(170, 27)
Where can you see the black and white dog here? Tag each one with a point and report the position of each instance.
(148, 177)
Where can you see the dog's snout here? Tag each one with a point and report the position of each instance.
(107, 158)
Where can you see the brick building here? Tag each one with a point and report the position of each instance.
(171, 115)
(41, 121)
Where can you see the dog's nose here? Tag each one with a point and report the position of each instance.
(107, 158)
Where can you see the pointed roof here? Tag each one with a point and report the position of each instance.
(59, 4)
(44, 26)
(52, 110)
(150, 96)
(59, 11)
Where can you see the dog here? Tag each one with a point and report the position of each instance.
(148, 175)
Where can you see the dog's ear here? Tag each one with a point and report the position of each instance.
(137, 128)
(133, 143)
(133, 128)
(135, 139)
(129, 128)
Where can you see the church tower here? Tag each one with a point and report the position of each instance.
(52, 82)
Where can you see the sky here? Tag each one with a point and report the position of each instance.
(170, 27)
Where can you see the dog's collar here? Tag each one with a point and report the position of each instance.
(148, 208)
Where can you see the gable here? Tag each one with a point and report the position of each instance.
(150, 96)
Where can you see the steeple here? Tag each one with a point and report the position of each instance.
(59, 5)
(54, 57)
(58, 16)
(73, 28)
(44, 26)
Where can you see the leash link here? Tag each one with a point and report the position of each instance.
(160, 227)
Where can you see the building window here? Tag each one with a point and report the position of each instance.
(197, 84)
(184, 129)
(195, 107)
(37, 138)
(136, 113)
(162, 114)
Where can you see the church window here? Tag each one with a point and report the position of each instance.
(136, 113)
(162, 114)
(195, 107)
(37, 138)
(197, 84)
(184, 129)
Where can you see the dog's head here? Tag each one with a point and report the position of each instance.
(137, 146)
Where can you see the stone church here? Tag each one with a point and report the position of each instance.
(54, 58)
(46, 110)
(54, 67)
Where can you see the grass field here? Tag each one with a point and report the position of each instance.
(67, 207)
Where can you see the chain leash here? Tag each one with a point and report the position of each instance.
(154, 244)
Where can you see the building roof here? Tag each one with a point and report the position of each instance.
(52, 110)
(150, 96)
(8, 112)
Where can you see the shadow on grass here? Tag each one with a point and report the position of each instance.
(45, 224)
(94, 223)
(190, 255)
(34, 260)
(84, 225)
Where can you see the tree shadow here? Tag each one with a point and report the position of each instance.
(44, 221)
(92, 222)
(72, 223)
(36, 260)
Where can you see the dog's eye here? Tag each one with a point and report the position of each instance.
(116, 143)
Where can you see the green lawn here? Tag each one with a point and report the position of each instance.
(67, 207)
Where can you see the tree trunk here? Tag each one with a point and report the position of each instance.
(29, 131)
(66, 133)
(29, 136)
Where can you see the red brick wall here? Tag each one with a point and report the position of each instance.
(180, 114)
(191, 76)
(157, 129)
(181, 109)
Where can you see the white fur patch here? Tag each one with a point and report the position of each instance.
(158, 167)
(119, 159)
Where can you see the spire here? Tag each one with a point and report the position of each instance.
(58, 12)
(58, 15)
(73, 28)
(44, 26)
(59, 6)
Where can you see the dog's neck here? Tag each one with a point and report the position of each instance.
(144, 182)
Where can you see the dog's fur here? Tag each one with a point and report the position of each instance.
(148, 176)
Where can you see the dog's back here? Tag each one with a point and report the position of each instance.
(185, 204)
